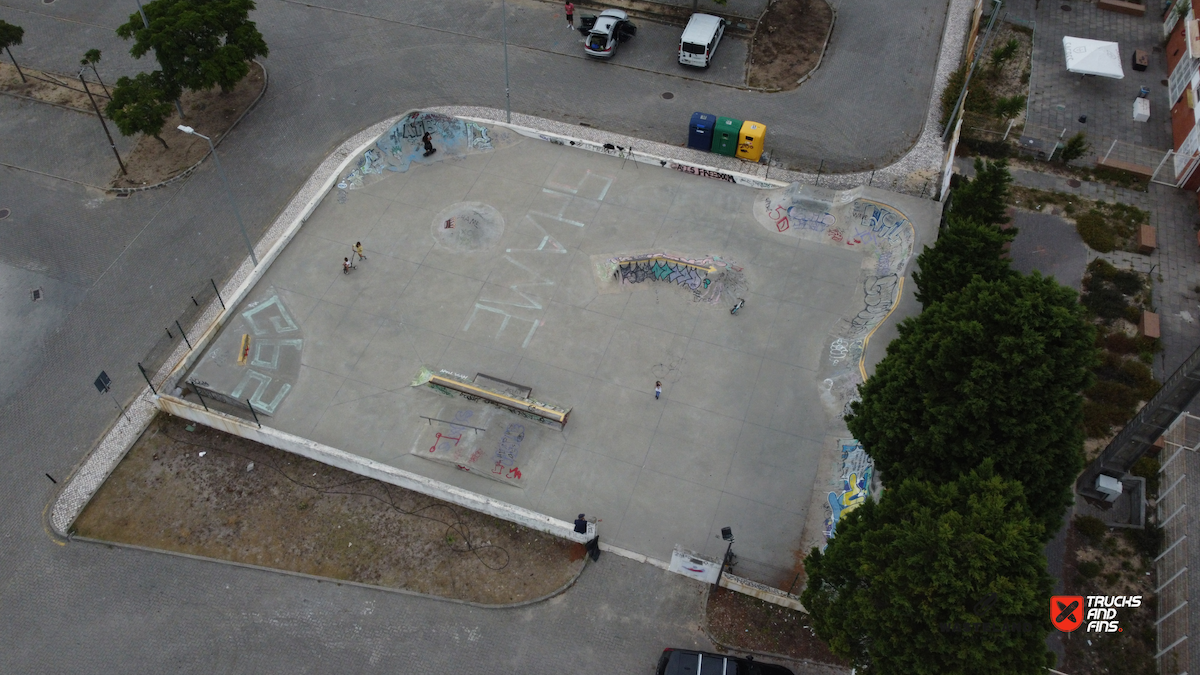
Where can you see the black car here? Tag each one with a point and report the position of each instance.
(688, 662)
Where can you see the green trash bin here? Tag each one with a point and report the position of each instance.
(725, 136)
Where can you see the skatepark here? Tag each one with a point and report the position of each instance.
(514, 268)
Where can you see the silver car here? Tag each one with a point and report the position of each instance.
(605, 32)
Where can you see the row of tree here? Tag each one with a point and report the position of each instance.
(199, 44)
(974, 421)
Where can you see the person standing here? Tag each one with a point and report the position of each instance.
(657, 390)
(570, 15)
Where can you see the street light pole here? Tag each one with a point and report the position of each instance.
(232, 202)
(504, 23)
(727, 535)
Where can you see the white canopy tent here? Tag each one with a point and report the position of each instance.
(1093, 57)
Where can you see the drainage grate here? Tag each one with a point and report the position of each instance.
(585, 124)
(1066, 8)
(4, 213)
(668, 95)
(35, 294)
(1074, 183)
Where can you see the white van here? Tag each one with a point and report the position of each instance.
(700, 39)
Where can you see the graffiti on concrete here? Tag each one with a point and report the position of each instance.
(507, 450)
(401, 145)
(256, 358)
(707, 278)
(853, 486)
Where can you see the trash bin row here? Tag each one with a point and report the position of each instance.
(727, 136)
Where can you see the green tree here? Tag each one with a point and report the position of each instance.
(994, 370)
(140, 105)
(1075, 147)
(198, 43)
(984, 198)
(935, 580)
(10, 36)
(964, 250)
(1009, 107)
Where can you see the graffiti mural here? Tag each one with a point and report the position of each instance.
(255, 359)
(854, 487)
(708, 278)
(401, 145)
(486, 443)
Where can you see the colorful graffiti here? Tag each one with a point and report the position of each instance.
(401, 145)
(708, 278)
(857, 470)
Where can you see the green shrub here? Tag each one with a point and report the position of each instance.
(1133, 313)
(1005, 53)
(1127, 281)
(1095, 232)
(1105, 302)
(1010, 106)
(1147, 467)
(1147, 542)
(1141, 378)
(977, 147)
(1075, 147)
(1093, 529)
(1110, 393)
(1089, 569)
(1097, 419)
(952, 91)
(1120, 343)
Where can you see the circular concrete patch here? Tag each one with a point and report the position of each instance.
(468, 226)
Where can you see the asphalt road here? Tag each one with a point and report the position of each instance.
(118, 271)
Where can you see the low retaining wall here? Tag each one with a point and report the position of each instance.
(372, 469)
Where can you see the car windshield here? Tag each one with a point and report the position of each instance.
(693, 49)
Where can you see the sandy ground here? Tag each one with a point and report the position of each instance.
(195, 490)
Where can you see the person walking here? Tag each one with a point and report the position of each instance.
(570, 15)
(427, 139)
(359, 250)
(657, 390)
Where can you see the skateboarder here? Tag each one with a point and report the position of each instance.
(428, 141)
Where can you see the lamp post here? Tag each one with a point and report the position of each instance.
(102, 123)
(727, 535)
(504, 23)
(233, 203)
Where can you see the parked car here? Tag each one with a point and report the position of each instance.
(700, 38)
(689, 662)
(602, 34)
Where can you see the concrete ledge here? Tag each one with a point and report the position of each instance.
(1130, 8)
(1136, 169)
(372, 469)
(762, 592)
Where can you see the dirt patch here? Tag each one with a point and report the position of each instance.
(211, 112)
(211, 494)
(789, 43)
(743, 622)
(1103, 561)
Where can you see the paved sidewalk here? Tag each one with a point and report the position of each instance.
(1058, 98)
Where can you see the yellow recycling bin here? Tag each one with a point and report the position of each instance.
(751, 140)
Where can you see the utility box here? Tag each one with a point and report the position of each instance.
(725, 136)
(1109, 487)
(751, 140)
(700, 131)
(1141, 109)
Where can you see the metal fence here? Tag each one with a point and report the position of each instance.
(1179, 458)
(180, 330)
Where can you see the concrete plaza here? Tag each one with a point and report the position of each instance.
(500, 261)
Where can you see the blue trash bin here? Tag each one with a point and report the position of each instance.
(700, 131)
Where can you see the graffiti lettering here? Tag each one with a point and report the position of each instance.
(706, 173)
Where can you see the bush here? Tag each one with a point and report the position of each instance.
(1120, 343)
(1076, 147)
(950, 94)
(1127, 281)
(977, 147)
(1147, 467)
(1005, 53)
(1147, 542)
(1098, 419)
(1115, 394)
(1010, 106)
(1095, 232)
(1105, 302)
(1093, 529)
(1089, 569)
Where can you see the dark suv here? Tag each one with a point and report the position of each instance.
(688, 662)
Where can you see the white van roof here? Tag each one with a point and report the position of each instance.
(700, 29)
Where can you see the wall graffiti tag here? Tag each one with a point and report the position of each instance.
(400, 145)
(707, 278)
(854, 484)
